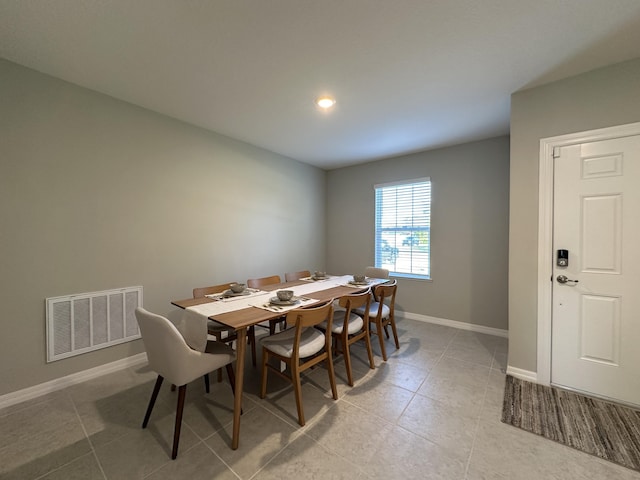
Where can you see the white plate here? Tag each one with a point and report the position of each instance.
(366, 282)
(277, 301)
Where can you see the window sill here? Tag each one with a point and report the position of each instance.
(410, 276)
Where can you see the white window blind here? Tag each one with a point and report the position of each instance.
(403, 227)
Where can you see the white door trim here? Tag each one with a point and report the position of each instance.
(545, 231)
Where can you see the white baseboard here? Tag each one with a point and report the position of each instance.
(73, 379)
(527, 375)
(456, 324)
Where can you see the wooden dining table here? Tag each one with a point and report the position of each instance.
(240, 320)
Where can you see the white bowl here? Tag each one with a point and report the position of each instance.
(284, 295)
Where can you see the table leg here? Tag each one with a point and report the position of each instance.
(241, 347)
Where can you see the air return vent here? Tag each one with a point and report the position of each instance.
(89, 321)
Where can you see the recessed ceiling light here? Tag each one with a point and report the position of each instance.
(325, 101)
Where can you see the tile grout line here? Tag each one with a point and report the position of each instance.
(477, 426)
(84, 430)
(219, 457)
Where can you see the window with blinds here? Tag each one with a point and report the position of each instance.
(403, 228)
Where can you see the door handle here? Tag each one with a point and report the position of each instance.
(563, 279)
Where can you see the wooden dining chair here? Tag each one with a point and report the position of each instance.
(293, 276)
(223, 333)
(381, 313)
(300, 348)
(349, 328)
(259, 283)
(170, 357)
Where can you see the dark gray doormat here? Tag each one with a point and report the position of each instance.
(606, 430)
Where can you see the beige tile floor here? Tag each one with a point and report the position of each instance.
(430, 412)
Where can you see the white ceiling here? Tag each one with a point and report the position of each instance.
(408, 75)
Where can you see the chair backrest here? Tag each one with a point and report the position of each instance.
(303, 318)
(375, 272)
(386, 293)
(292, 276)
(202, 291)
(356, 300)
(167, 351)
(260, 282)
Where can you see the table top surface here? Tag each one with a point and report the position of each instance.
(248, 316)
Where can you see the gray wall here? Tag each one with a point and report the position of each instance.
(601, 98)
(469, 229)
(97, 194)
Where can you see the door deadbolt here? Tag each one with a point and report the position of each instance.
(563, 258)
(564, 279)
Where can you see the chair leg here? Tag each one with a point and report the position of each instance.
(182, 390)
(232, 377)
(152, 401)
(383, 350)
(392, 321)
(206, 383)
(251, 335)
(332, 374)
(263, 384)
(367, 341)
(346, 353)
(386, 331)
(337, 345)
(218, 337)
(297, 388)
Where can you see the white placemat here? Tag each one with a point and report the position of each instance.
(226, 297)
(370, 282)
(314, 279)
(284, 308)
(216, 308)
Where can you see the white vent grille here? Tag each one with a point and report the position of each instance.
(89, 321)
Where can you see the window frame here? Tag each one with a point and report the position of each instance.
(417, 253)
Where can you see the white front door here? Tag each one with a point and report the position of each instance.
(596, 298)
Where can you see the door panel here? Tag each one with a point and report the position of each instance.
(601, 233)
(596, 314)
(600, 329)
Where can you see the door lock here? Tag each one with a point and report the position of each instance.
(563, 279)
(563, 258)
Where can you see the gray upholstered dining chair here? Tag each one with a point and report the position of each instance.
(375, 272)
(349, 328)
(300, 347)
(171, 358)
(382, 313)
